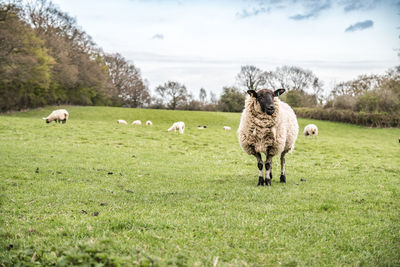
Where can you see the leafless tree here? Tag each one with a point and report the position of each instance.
(132, 90)
(250, 77)
(203, 95)
(173, 93)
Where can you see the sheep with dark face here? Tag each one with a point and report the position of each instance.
(267, 126)
(311, 130)
(59, 115)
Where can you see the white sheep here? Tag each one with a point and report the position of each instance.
(122, 122)
(137, 122)
(180, 126)
(59, 115)
(227, 128)
(267, 126)
(149, 123)
(311, 130)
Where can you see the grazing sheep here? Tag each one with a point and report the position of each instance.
(227, 128)
(201, 127)
(267, 126)
(149, 123)
(180, 125)
(122, 122)
(311, 130)
(137, 122)
(59, 115)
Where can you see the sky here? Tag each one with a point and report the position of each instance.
(203, 44)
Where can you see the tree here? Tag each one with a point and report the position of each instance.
(232, 100)
(79, 75)
(295, 78)
(250, 77)
(131, 89)
(203, 95)
(25, 65)
(303, 88)
(173, 94)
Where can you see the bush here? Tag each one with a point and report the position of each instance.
(340, 115)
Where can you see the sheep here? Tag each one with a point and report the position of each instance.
(227, 128)
(311, 130)
(201, 127)
(122, 122)
(180, 125)
(137, 122)
(268, 126)
(59, 115)
(149, 123)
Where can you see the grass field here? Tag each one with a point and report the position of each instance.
(92, 191)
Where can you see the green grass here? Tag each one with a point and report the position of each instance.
(192, 199)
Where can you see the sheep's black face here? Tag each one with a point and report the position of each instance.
(265, 98)
(47, 121)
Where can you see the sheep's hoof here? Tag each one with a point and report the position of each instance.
(283, 178)
(268, 182)
(260, 181)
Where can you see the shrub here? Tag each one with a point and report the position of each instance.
(381, 119)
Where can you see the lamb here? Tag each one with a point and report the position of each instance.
(267, 126)
(180, 125)
(122, 122)
(149, 123)
(59, 115)
(137, 122)
(227, 128)
(311, 130)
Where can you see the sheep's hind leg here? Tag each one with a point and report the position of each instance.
(260, 170)
(283, 177)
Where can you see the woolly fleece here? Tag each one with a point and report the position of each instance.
(258, 130)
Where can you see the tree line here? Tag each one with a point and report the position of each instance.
(47, 59)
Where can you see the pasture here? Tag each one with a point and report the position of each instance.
(92, 191)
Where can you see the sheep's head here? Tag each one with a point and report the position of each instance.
(265, 99)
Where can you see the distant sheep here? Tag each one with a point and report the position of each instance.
(180, 126)
(267, 126)
(137, 122)
(311, 130)
(201, 127)
(149, 123)
(59, 115)
(227, 128)
(122, 122)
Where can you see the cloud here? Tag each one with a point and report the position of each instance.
(158, 36)
(359, 26)
(354, 5)
(313, 12)
(245, 13)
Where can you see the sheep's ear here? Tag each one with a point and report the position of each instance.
(279, 92)
(252, 93)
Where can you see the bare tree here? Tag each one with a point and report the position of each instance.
(251, 77)
(203, 95)
(132, 90)
(173, 93)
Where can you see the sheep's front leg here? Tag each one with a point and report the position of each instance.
(260, 170)
(283, 177)
(268, 170)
